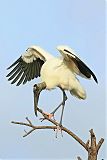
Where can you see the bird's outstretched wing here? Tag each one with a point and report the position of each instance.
(28, 66)
(75, 64)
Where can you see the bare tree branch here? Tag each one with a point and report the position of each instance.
(99, 144)
(35, 127)
(93, 139)
(90, 146)
(94, 147)
(29, 124)
(27, 133)
(64, 129)
(79, 158)
(28, 121)
(87, 143)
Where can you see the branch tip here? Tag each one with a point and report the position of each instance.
(79, 158)
(99, 144)
(28, 120)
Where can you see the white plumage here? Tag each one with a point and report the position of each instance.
(54, 71)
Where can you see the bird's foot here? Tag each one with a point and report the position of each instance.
(50, 115)
(59, 129)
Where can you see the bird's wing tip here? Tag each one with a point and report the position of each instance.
(95, 80)
(7, 68)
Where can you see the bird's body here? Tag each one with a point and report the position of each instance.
(54, 72)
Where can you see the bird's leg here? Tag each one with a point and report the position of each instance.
(50, 115)
(63, 105)
(37, 88)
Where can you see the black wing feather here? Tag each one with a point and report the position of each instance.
(23, 75)
(33, 70)
(17, 66)
(17, 77)
(14, 73)
(21, 79)
(85, 70)
(29, 70)
(23, 72)
(82, 67)
(17, 61)
(37, 70)
(25, 80)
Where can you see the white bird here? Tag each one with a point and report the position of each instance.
(54, 72)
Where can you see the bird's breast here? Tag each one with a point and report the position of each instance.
(51, 66)
(55, 73)
(50, 72)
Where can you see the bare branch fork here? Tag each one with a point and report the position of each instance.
(90, 146)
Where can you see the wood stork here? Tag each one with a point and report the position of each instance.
(54, 72)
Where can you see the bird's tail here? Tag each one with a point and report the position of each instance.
(79, 94)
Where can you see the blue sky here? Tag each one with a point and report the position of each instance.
(79, 24)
